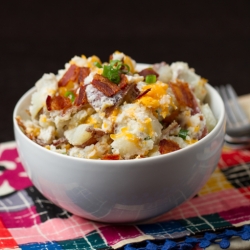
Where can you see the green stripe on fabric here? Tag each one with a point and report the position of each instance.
(39, 246)
(90, 242)
(205, 222)
(95, 239)
(75, 244)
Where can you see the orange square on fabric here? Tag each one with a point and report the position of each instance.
(217, 182)
(6, 239)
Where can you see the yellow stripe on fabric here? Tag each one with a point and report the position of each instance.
(217, 182)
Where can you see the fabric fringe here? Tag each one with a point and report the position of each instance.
(222, 239)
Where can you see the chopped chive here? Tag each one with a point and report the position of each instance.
(70, 95)
(126, 66)
(106, 70)
(183, 134)
(150, 79)
(111, 73)
(97, 64)
(115, 63)
(114, 70)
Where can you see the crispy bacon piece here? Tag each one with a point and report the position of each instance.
(59, 141)
(184, 96)
(58, 103)
(172, 117)
(124, 82)
(89, 142)
(168, 129)
(167, 146)
(81, 99)
(83, 73)
(148, 71)
(104, 85)
(31, 136)
(49, 102)
(70, 75)
(111, 157)
(20, 124)
(133, 93)
(40, 142)
(204, 133)
(123, 94)
(143, 93)
(95, 132)
(74, 73)
(95, 135)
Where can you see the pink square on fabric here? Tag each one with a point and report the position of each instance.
(53, 230)
(114, 234)
(207, 204)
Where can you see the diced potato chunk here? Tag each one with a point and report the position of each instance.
(78, 135)
(209, 116)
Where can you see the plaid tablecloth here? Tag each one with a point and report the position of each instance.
(220, 210)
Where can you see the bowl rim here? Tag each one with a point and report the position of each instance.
(218, 125)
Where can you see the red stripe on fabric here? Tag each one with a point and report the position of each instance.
(6, 239)
(230, 157)
(245, 191)
(236, 215)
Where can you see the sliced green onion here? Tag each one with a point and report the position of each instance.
(111, 73)
(150, 79)
(114, 70)
(127, 68)
(115, 62)
(97, 64)
(70, 95)
(106, 70)
(115, 76)
(183, 134)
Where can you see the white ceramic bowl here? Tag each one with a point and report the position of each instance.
(122, 191)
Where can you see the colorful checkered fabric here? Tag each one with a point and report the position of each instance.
(29, 221)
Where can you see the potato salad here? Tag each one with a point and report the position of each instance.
(118, 110)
